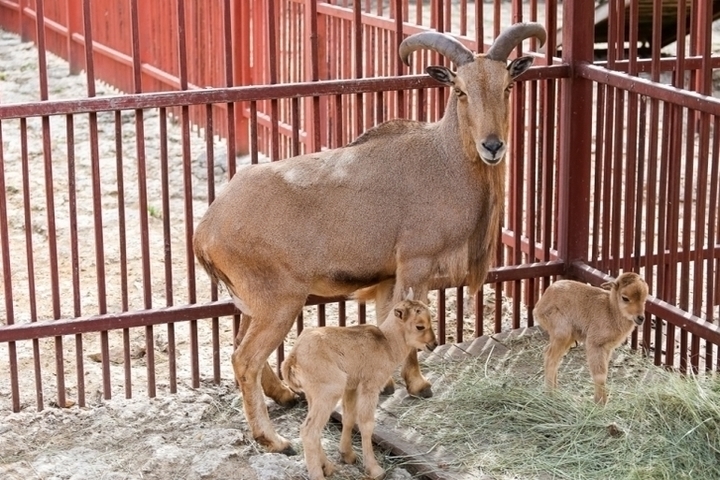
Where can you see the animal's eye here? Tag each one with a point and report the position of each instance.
(459, 92)
(625, 299)
(420, 328)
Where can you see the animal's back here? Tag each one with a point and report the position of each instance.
(356, 354)
(573, 300)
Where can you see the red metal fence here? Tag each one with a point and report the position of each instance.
(610, 169)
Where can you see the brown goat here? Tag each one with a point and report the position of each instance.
(601, 317)
(352, 363)
(404, 202)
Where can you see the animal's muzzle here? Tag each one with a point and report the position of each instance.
(431, 346)
(639, 319)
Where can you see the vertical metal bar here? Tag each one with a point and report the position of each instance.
(576, 125)
(7, 279)
(713, 230)
(119, 169)
(253, 133)
(127, 366)
(75, 255)
(441, 320)
(50, 202)
(272, 59)
(97, 199)
(597, 225)
(167, 242)
(142, 197)
(459, 314)
(187, 181)
(359, 58)
(27, 208)
(479, 313)
(618, 174)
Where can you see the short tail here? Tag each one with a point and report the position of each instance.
(365, 294)
(206, 262)
(289, 372)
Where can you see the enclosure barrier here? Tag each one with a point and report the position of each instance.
(613, 166)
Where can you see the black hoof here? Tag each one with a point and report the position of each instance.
(289, 403)
(424, 393)
(289, 451)
(388, 390)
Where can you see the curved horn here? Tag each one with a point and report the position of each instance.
(510, 38)
(443, 44)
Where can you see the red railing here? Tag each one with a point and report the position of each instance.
(602, 157)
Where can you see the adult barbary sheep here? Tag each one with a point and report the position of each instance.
(352, 364)
(602, 317)
(403, 202)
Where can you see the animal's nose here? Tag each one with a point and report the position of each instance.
(432, 345)
(640, 319)
(492, 144)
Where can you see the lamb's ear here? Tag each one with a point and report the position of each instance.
(409, 295)
(399, 313)
(608, 285)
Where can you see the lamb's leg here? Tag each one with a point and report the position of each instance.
(349, 414)
(598, 359)
(271, 384)
(320, 406)
(554, 353)
(262, 335)
(366, 404)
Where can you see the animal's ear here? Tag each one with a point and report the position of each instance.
(609, 285)
(441, 74)
(409, 295)
(519, 65)
(399, 313)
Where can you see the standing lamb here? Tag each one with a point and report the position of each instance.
(352, 363)
(601, 317)
(404, 202)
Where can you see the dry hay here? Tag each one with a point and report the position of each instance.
(494, 415)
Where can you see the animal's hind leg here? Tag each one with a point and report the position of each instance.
(321, 401)
(366, 405)
(271, 383)
(554, 353)
(262, 335)
(349, 405)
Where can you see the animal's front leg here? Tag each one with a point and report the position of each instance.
(414, 381)
(598, 359)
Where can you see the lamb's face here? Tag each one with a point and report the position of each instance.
(631, 293)
(417, 324)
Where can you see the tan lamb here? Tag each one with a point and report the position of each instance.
(602, 318)
(352, 364)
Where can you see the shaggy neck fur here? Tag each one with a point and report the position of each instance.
(481, 244)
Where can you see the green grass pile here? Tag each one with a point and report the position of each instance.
(497, 420)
